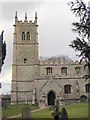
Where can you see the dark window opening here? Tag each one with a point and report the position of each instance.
(64, 70)
(77, 70)
(28, 36)
(48, 70)
(67, 89)
(88, 88)
(23, 35)
(25, 60)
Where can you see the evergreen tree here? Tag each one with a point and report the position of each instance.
(3, 46)
(82, 27)
(3, 52)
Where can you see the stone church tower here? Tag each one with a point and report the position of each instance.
(25, 59)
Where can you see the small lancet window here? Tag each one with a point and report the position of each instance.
(87, 88)
(77, 70)
(48, 70)
(28, 36)
(23, 35)
(25, 60)
(64, 70)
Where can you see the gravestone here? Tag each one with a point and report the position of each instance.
(26, 113)
(5, 104)
(64, 115)
(57, 114)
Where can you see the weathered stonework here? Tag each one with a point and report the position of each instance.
(30, 81)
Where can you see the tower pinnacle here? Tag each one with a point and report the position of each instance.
(36, 17)
(16, 17)
(25, 16)
(35, 14)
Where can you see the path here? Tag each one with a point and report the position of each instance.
(31, 111)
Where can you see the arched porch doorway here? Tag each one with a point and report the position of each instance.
(83, 98)
(51, 97)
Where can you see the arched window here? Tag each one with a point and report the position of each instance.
(23, 35)
(77, 70)
(28, 36)
(64, 70)
(48, 70)
(87, 88)
(67, 89)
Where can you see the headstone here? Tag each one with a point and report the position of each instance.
(56, 112)
(5, 104)
(26, 113)
(56, 102)
(64, 115)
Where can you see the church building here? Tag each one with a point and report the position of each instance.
(40, 82)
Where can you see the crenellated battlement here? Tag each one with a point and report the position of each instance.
(62, 63)
(26, 22)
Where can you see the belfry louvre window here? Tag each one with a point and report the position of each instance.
(28, 36)
(48, 70)
(77, 70)
(23, 35)
(64, 70)
(67, 89)
(87, 88)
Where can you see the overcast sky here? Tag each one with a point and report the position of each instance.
(55, 34)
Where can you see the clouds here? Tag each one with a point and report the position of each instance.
(59, 30)
(55, 35)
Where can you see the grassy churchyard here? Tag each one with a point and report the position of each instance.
(77, 110)
(13, 110)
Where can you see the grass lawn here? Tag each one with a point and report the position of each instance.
(77, 110)
(16, 109)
